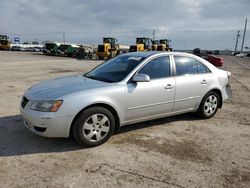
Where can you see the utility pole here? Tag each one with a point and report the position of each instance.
(237, 38)
(153, 34)
(243, 39)
(63, 38)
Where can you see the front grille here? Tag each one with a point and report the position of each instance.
(24, 101)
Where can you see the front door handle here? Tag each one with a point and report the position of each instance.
(169, 86)
(204, 81)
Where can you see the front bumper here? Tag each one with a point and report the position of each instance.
(47, 124)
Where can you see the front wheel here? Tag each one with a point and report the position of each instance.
(209, 105)
(94, 126)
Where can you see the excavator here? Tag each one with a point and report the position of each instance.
(164, 45)
(142, 44)
(108, 49)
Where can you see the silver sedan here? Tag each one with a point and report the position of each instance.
(129, 88)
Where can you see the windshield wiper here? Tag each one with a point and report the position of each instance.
(99, 79)
(91, 77)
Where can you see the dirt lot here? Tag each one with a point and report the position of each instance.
(181, 151)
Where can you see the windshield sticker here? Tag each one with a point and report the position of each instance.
(135, 58)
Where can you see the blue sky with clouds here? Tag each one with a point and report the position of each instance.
(208, 24)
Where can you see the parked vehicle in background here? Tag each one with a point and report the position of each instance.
(155, 44)
(216, 61)
(164, 45)
(243, 54)
(50, 48)
(129, 88)
(17, 48)
(66, 50)
(217, 52)
(84, 51)
(4, 42)
(235, 53)
(142, 44)
(108, 49)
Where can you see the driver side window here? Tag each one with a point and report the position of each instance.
(157, 68)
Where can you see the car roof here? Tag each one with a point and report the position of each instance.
(147, 54)
(144, 54)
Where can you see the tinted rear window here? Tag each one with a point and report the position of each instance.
(188, 65)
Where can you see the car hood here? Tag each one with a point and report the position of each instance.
(59, 87)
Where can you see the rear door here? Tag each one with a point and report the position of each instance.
(192, 81)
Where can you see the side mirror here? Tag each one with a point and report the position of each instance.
(141, 78)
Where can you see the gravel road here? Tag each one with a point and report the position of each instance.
(180, 151)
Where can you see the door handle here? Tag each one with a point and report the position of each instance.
(204, 81)
(169, 86)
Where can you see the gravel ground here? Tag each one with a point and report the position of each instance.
(180, 151)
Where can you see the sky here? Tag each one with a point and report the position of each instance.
(207, 24)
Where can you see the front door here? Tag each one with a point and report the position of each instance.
(146, 100)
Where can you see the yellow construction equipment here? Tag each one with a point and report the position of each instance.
(164, 45)
(142, 44)
(4, 42)
(108, 49)
(155, 44)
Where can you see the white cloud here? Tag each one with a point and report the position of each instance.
(205, 24)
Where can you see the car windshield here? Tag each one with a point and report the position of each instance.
(116, 69)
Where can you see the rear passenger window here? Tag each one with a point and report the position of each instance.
(188, 65)
(157, 68)
(185, 65)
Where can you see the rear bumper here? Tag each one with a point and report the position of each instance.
(227, 93)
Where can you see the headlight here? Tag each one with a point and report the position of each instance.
(46, 106)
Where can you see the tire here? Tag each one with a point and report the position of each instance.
(94, 126)
(209, 105)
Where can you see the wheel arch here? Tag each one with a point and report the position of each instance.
(216, 90)
(104, 105)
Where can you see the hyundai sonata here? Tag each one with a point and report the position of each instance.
(129, 88)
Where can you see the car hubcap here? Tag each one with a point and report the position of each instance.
(96, 127)
(210, 105)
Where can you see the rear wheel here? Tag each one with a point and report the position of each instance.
(209, 105)
(94, 126)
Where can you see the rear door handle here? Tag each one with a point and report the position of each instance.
(204, 81)
(169, 86)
